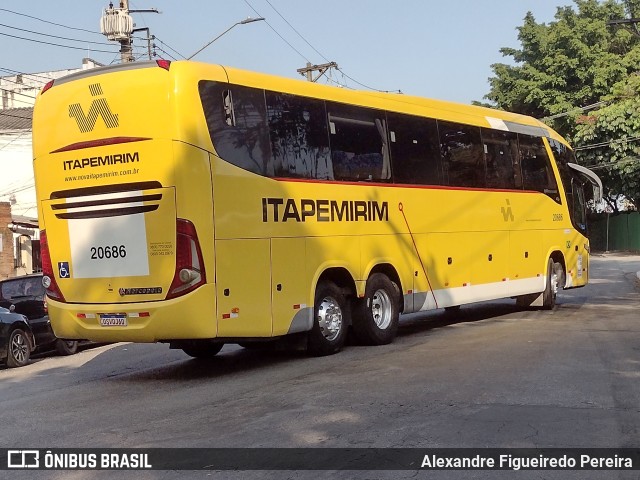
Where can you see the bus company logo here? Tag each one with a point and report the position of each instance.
(23, 459)
(99, 108)
(290, 210)
(507, 212)
(140, 291)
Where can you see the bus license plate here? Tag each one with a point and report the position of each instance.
(113, 320)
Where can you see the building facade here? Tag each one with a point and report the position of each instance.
(19, 253)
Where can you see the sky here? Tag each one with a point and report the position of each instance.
(430, 48)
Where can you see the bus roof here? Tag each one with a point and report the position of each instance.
(440, 109)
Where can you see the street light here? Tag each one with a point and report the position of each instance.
(242, 22)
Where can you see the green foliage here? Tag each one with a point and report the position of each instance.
(578, 61)
(609, 142)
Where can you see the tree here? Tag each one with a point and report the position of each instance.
(608, 140)
(579, 61)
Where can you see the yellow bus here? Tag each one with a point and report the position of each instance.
(199, 205)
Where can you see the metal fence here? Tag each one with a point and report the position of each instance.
(615, 232)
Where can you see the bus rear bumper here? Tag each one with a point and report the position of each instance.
(191, 316)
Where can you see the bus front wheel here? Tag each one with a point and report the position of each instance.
(330, 315)
(379, 312)
(554, 275)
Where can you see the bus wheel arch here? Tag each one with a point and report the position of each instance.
(559, 267)
(376, 317)
(555, 275)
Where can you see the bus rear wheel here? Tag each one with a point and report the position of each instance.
(202, 349)
(66, 347)
(379, 312)
(330, 318)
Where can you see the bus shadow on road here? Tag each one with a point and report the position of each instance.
(234, 359)
(427, 322)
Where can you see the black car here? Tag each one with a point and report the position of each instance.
(16, 339)
(26, 294)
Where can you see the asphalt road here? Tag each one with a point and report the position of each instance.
(488, 376)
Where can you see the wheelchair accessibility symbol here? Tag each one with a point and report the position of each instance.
(63, 270)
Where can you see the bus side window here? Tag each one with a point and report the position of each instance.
(578, 207)
(299, 136)
(415, 150)
(501, 150)
(462, 155)
(537, 173)
(237, 121)
(359, 143)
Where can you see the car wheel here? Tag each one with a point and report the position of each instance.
(19, 349)
(66, 347)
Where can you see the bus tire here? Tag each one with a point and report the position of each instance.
(330, 319)
(18, 349)
(66, 347)
(202, 349)
(551, 288)
(379, 312)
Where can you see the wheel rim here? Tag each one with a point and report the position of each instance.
(554, 283)
(330, 318)
(381, 309)
(70, 344)
(19, 348)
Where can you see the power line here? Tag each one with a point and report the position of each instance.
(622, 161)
(299, 34)
(316, 50)
(166, 53)
(366, 86)
(16, 72)
(15, 139)
(169, 47)
(53, 36)
(277, 33)
(50, 43)
(47, 21)
(575, 110)
(607, 144)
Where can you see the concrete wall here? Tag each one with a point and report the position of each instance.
(7, 268)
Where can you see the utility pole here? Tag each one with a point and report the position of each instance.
(321, 69)
(117, 25)
(126, 52)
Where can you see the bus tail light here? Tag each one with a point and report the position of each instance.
(48, 275)
(166, 64)
(189, 273)
(48, 85)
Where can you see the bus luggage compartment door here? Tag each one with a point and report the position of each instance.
(243, 288)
